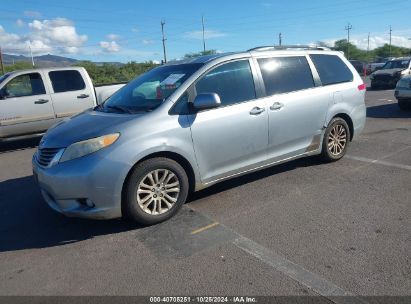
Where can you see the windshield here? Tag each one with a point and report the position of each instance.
(3, 77)
(148, 91)
(396, 64)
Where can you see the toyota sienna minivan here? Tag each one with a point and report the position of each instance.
(187, 125)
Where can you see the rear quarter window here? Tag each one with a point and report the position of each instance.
(285, 74)
(65, 81)
(332, 69)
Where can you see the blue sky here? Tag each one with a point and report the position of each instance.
(126, 30)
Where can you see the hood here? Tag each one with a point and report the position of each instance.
(388, 71)
(86, 125)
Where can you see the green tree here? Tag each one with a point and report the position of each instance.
(108, 73)
(202, 53)
(21, 65)
(396, 51)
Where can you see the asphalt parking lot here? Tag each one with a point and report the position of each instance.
(301, 228)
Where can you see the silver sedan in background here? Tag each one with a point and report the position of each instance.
(403, 93)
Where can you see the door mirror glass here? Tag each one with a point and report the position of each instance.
(3, 94)
(207, 101)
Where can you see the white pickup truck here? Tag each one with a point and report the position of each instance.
(31, 101)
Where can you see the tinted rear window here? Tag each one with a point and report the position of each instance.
(64, 81)
(331, 69)
(285, 74)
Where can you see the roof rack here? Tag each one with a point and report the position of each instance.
(288, 47)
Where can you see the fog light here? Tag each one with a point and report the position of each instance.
(89, 203)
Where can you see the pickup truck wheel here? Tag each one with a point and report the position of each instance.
(336, 140)
(155, 191)
(404, 105)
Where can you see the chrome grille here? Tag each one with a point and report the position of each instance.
(45, 156)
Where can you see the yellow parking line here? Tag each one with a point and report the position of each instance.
(204, 228)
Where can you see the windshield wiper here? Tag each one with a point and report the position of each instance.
(121, 109)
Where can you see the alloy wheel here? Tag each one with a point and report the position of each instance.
(158, 191)
(337, 140)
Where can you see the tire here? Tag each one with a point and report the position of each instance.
(147, 199)
(331, 150)
(404, 105)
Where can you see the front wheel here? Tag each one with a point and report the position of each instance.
(155, 191)
(336, 140)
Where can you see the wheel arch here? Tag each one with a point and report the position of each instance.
(349, 122)
(181, 160)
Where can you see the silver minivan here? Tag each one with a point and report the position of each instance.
(187, 125)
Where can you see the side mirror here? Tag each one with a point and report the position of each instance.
(3, 94)
(207, 101)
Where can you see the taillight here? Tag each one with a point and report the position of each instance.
(362, 87)
(159, 94)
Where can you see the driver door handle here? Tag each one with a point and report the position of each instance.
(276, 106)
(41, 101)
(257, 111)
(82, 96)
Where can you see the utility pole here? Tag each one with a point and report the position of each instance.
(368, 47)
(1, 62)
(31, 55)
(348, 28)
(280, 39)
(204, 43)
(164, 41)
(389, 55)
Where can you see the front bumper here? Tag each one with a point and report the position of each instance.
(384, 80)
(402, 93)
(87, 187)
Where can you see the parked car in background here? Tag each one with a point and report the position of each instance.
(31, 101)
(403, 93)
(390, 73)
(377, 65)
(187, 125)
(360, 67)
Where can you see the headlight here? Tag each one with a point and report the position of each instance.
(372, 76)
(88, 146)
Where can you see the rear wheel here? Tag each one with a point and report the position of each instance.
(155, 191)
(404, 105)
(336, 140)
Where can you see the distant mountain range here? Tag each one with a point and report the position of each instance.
(45, 61)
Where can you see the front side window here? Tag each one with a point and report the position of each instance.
(66, 81)
(285, 74)
(150, 90)
(332, 69)
(233, 82)
(396, 64)
(25, 85)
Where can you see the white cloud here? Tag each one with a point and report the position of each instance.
(110, 47)
(20, 23)
(208, 34)
(135, 30)
(45, 36)
(32, 14)
(147, 41)
(378, 40)
(113, 37)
